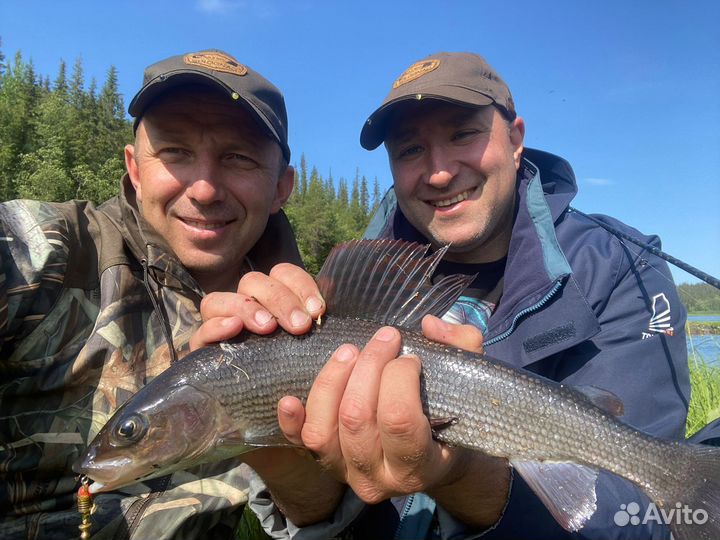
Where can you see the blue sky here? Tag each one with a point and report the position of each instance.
(626, 91)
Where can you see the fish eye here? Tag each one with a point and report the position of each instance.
(130, 430)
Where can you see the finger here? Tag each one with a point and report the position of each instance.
(404, 429)
(359, 438)
(254, 317)
(462, 336)
(302, 284)
(215, 330)
(291, 417)
(320, 431)
(278, 299)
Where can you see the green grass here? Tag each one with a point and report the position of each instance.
(705, 400)
(704, 380)
(250, 528)
(705, 384)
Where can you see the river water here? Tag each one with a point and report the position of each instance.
(706, 347)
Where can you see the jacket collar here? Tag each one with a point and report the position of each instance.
(145, 243)
(536, 264)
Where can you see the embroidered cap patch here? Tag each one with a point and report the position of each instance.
(216, 61)
(418, 69)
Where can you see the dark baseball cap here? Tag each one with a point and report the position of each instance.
(462, 78)
(213, 67)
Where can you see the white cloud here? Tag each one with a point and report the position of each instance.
(598, 181)
(219, 6)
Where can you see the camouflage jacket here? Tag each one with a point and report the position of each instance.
(78, 336)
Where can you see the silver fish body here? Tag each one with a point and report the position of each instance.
(221, 401)
(495, 408)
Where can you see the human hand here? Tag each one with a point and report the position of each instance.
(364, 420)
(288, 297)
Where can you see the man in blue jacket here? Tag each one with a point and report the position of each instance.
(555, 293)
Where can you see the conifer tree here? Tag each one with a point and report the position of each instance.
(364, 196)
(342, 194)
(303, 177)
(2, 61)
(18, 100)
(60, 86)
(376, 196)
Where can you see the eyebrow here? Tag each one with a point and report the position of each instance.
(454, 120)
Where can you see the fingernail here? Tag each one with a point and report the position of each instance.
(313, 304)
(385, 334)
(262, 317)
(345, 353)
(299, 318)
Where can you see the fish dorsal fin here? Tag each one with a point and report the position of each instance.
(603, 399)
(387, 281)
(566, 489)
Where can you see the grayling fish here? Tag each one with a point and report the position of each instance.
(220, 401)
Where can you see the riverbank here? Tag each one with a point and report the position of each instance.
(703, 328)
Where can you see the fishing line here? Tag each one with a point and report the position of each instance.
(707, 278)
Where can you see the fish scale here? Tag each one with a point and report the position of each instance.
(221, 401)
(496, 408)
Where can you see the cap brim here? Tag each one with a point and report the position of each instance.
(156, 88)
(375, 128)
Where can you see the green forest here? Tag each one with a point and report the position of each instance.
(63, 139)
(700, 297)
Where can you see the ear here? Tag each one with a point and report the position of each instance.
(132, 169)
(284, 189)
(517, 135)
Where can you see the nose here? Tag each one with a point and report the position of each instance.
(443, 168)
(205, 184)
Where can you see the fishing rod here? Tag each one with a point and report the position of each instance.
(707, 278)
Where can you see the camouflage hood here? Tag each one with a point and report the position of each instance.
(78, 336)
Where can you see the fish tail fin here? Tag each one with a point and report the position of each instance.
(692, 511)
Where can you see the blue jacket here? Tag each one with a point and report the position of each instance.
(579, 306)
(582, 307)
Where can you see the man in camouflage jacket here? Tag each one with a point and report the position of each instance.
(94, 302)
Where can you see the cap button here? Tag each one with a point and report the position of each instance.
(163, 77)
(418, 96)
(235, 95)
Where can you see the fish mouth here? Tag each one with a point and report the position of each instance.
(444, 203)
(109, 473)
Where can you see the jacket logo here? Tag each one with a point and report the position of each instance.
(660, 320)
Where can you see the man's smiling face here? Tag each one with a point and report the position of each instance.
(454, 170)
(207, 177)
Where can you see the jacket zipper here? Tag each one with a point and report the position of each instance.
(134, 514)
(544, 300)
(405, 512)
(137, 509)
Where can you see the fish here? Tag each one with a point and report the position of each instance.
(220, 401)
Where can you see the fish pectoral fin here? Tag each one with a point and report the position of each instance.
(566, 489)
(263, 441)
(252, 440)
(603, 399)
(438, 424)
